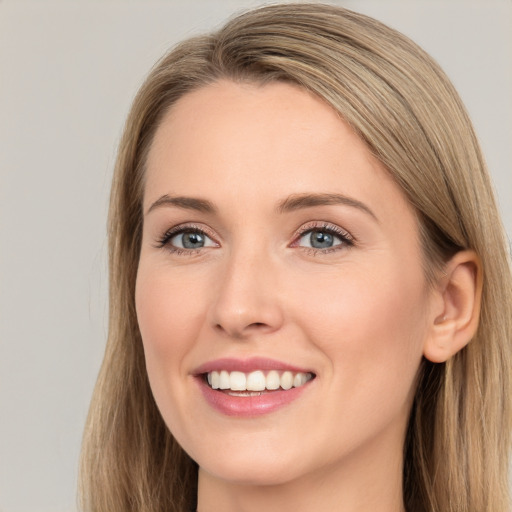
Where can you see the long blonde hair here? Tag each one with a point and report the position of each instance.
(403, 106)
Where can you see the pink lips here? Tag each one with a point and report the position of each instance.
(247, 365)
(248, 406)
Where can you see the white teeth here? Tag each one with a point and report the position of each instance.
(299, 380)
(237, 381)
(287, 380)
(257, 380)
(273, 380)
(224, 380)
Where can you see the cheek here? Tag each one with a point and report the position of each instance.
(169, 317)
(164, 306)
(371, 327)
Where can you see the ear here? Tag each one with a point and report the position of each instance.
(456, 311)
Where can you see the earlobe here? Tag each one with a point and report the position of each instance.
(455, 318)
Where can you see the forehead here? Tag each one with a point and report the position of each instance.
(261, 142)
(241, 119)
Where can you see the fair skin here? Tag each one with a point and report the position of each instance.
(330, 285)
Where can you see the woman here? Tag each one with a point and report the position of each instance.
(310, 295)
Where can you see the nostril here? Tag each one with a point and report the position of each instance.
(238, 332)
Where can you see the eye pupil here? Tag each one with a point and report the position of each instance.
(192, 240)
(321, 239)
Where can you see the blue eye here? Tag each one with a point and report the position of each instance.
(191, 240)
(188, 240)
(323, 238)
(185, 239)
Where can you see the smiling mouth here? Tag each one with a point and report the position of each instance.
(255, 383)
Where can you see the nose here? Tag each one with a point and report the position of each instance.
(247, 300)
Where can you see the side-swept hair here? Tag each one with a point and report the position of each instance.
(402, 105)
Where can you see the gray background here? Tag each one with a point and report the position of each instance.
(68, 71)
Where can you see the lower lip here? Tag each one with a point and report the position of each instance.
(249, 406)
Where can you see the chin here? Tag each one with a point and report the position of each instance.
(248, 474)
(262, 468)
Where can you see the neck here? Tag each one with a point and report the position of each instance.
(362, 483)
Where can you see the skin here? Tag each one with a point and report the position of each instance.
(359, 315)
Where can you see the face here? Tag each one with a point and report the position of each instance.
(280, 264)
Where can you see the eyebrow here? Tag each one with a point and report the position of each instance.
(299, 201)
(291, 203)
(186, 203)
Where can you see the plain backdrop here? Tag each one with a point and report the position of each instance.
(68, 71)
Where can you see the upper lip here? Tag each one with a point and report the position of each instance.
(247, 365)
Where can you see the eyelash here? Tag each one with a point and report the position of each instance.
(347, 240)
(163, 241)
